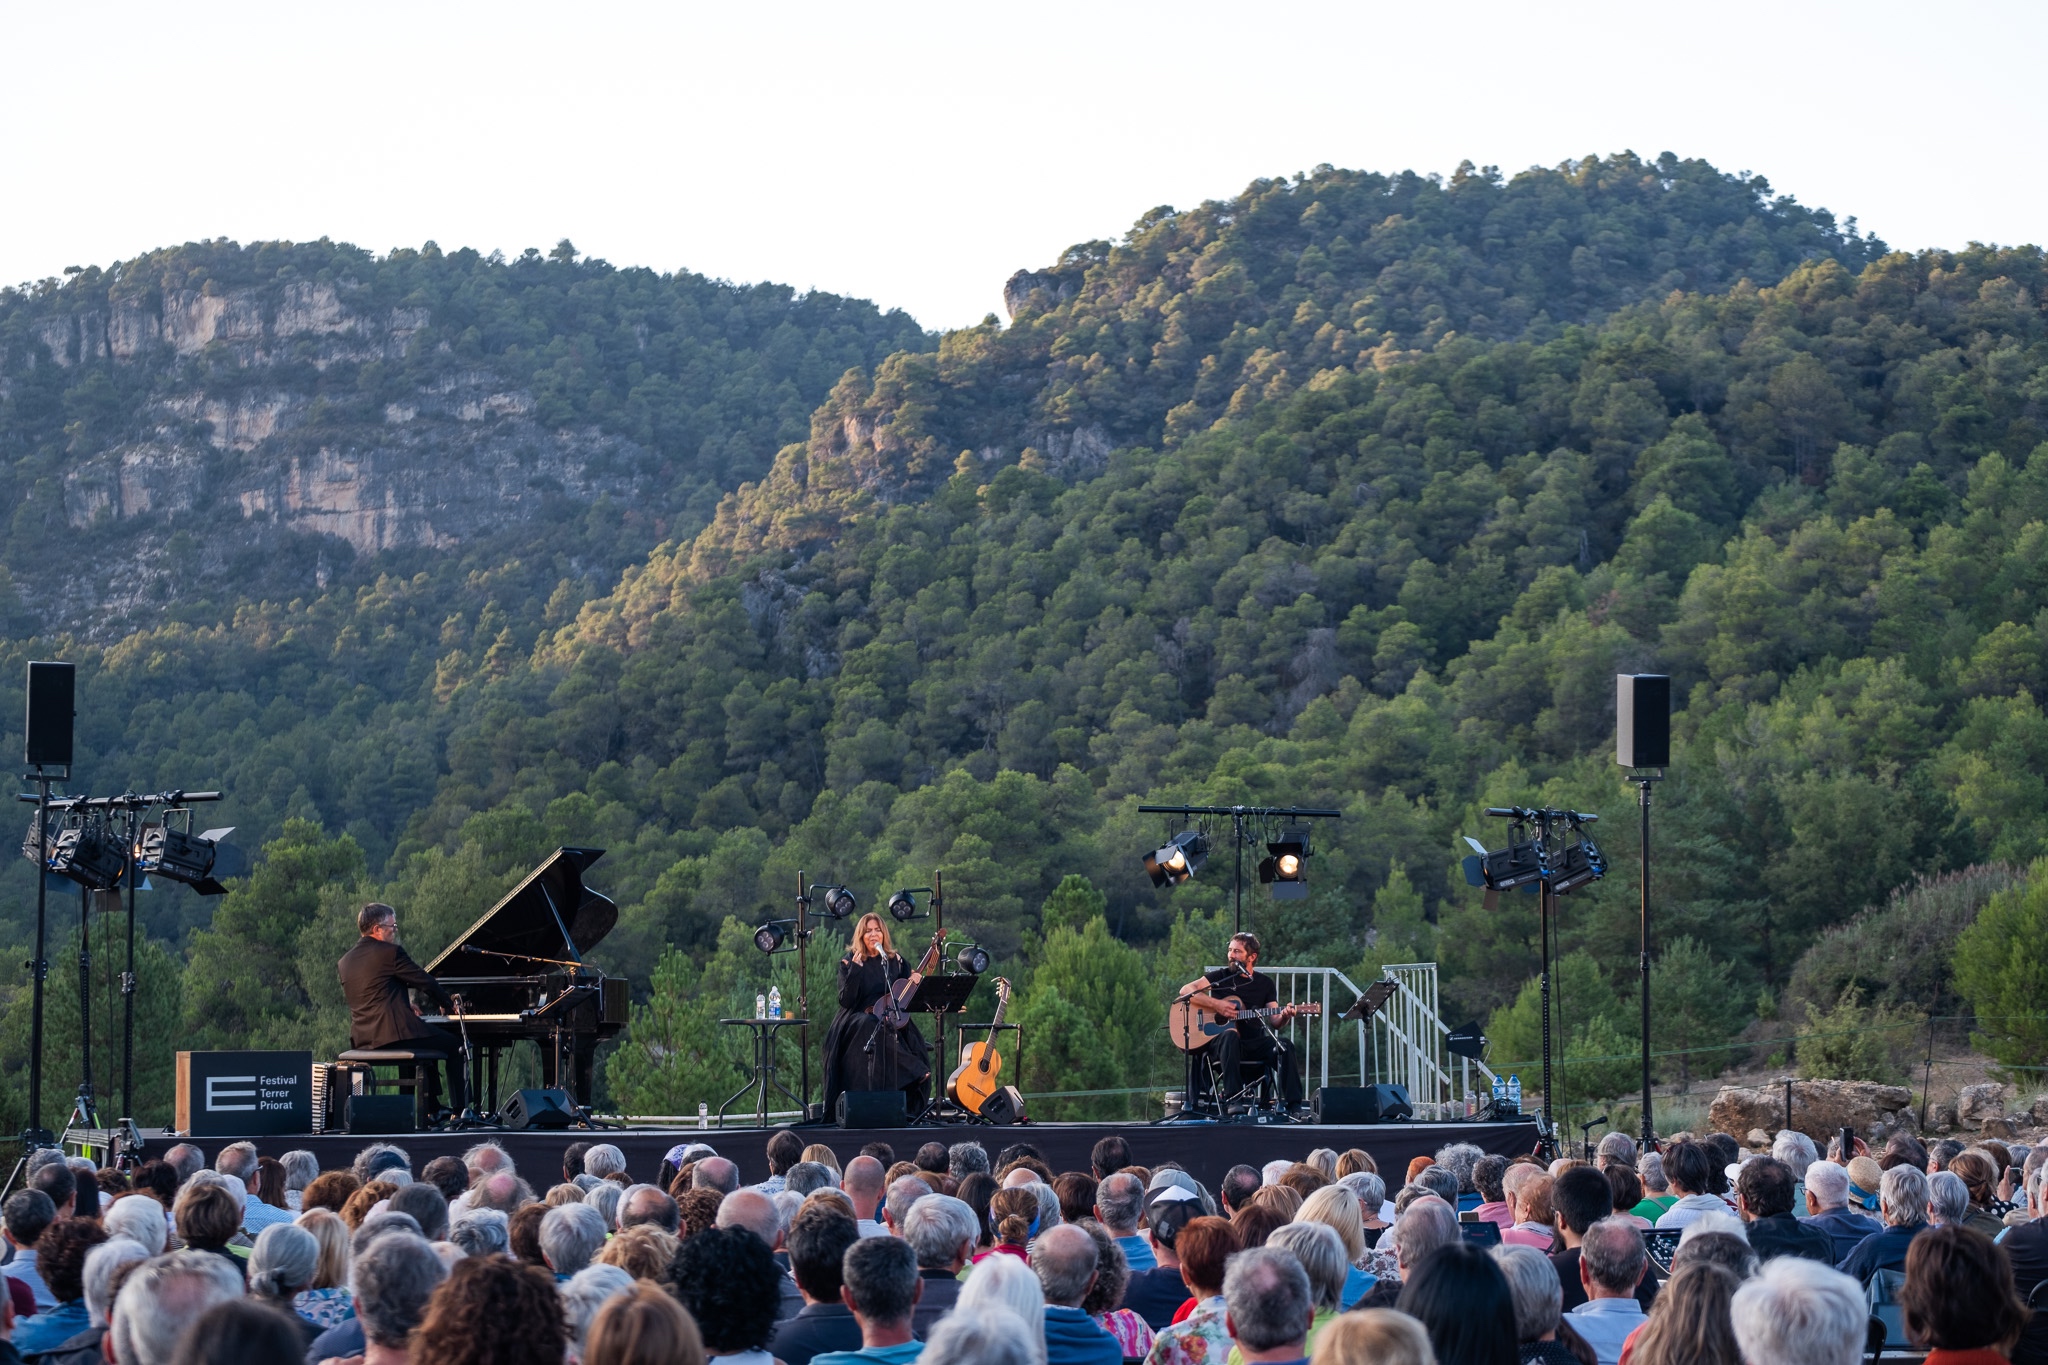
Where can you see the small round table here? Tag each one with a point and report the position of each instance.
(763, 1076)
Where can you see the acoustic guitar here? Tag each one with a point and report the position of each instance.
(979, 1074)
(1191, 1026)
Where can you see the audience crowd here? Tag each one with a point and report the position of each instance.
(1701, 1254)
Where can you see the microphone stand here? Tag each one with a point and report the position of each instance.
(468, 1118)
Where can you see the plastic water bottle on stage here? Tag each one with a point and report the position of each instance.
(1500, 1092)
(760, 1006)
(774, 1002)
(1515, 1094)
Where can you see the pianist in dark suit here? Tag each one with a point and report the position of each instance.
(861, 1053)
(375, 975)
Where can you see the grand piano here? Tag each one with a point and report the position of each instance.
(521, 974)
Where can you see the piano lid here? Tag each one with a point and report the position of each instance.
(549, 915)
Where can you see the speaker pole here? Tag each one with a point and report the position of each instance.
(35, 1135)
(1643, 781)
(1237, 858)
(803, 995)
(128, 976)
(83, 1106)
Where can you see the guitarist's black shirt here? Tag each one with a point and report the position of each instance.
(1254, 992)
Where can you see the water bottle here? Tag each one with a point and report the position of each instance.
(1500, 1092)
(760, 1006)
(774, 1002)
(1515, 1094)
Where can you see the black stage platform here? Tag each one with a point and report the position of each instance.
(1205, 1149)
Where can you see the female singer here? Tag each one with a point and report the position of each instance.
(861, 1052)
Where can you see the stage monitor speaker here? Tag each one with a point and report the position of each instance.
(1005, 1107)
(51, 702)
(379, 1114)
(1362, 1104)
(549, 1110)
(1642, 720)
(871, 1109)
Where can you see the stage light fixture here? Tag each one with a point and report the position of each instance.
(769, 937)
(902, 907)
(201, 861)
(839, 902)
(88, 854)
(1178, 859)
(1284, 869)
(972, 958)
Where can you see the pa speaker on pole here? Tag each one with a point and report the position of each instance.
(52, 693)
(1642, 720)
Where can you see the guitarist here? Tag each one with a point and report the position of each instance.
(862, 1052)
(1253, 1040)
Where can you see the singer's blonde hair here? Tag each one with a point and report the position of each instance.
(860, 937)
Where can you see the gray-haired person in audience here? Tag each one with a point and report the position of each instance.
(300, 1167)
(570, 1237)
(1799, 1312)
(162, 1298)
(346, 1338)
(588, 1290)
(1269, 1306)
(1539, 1303)
(987, 1334)
(942, 1231)
(140, 1217)
(481, 1232)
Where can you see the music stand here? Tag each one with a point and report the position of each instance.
(1367, 1005)
(941, 996)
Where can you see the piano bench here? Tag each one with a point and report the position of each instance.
(363, 1062)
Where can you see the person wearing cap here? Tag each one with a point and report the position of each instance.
(1157, 1294)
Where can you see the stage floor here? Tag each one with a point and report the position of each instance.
(1205, 1149)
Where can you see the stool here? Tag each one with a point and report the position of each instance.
(362, 1064)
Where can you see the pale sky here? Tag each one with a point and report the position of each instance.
(916, 154)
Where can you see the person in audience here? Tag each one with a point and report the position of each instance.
(1118, 1201)
(300, 1169)
(1948, 1200)
(1535, 1222)
(1958, 1301)
(1008, 1285)
(1612, 1262)
(1065, 1259)
(1337, 1208)
(324, 1300)
(400, 1294)
(645, 1252)
(237, 1333)
(1427, 1224)
(1903, 1149)
(1903, 1201)
(942, 1232)
(1076, 1193)
(818, 1240)
(1582, 1197)
(758, 1214)
(1239, 1184)
(643, 1326)
(329, 1190)
(570, 1237)
(24, 1218)
(1799, 1312)
(1827, 1204)
(139, 1217)
(784, 1150)
(1689, 1167)
(163, 1297)
(268, 1186)
(698, 1210)
(1539, 1306)
(1979, 1174)
(1371, 1193)
(1105, 1298)
(481, 1232)
(239, 1163)
(1796, 1150)
(1615, 1149)
(1690, 1324)
(1157, 1294)
(717, 1173)
(1763, 1197)
(646, 1205)
(1374, 1336)
(1268, 1306)
(1457, 1160)
(1201, 1337)
(97, 1282)
(209, 1216)
(1013, 1214)
(1257, 1221)
(60, 1260)
(728, 1279)
(1493, 1206)
(1321, 1255)
(989, 1335)
(880, 1287)
(1462, 1300)
(365, 1199)
(281, 1268)
(1283, 1200)
(1866, 1179)
(1110, 1155)
(1444, 1185)
(490, 1312)
(374, 1160)
(807, 1176)
(428, 1207)
(1657, 1197)
(863, 1183)
(186, 1159)
(587, 1291)
(604, 1198)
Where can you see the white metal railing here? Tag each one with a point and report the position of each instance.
(1311, 985)
(1409, 1048)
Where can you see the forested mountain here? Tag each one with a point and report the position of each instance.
(1353, 491)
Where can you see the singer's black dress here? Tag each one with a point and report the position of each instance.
(898, 1060)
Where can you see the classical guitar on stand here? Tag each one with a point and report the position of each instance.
(1190, 1026)
(981, 1067)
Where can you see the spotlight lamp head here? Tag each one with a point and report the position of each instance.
(902, 907)
(769, 937)
(1284, 869)
(201, 861)
(1178, 859)
(84, 851)
(972, 958)
(839, 902)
